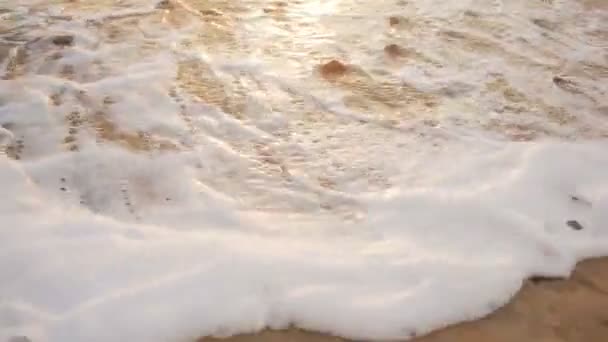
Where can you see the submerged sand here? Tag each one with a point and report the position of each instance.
(545, 310)
(573, 309)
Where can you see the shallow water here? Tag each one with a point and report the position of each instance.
(368, 169)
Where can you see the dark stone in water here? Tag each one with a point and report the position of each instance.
(541, 279)
(563, 82)
(63, 40)
(333, 68)
(164, 4)
(574, 225)
(211, 12)
(546, 24)
(394, 50)
(559, 80)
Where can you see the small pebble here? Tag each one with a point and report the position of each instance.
(63, 40)
(164, 4)
(546, 24)
(63, 189)
(333, 68)
(211, 12)
(394, 50)
(574, 225)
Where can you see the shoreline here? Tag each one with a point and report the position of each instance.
(548, 310)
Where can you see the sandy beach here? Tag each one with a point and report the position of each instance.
(547, 310)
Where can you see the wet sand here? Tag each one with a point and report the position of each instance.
(545, 310)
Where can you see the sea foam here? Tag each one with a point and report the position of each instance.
(143, 202)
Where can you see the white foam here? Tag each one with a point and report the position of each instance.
(231, 230)
(453, 249)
